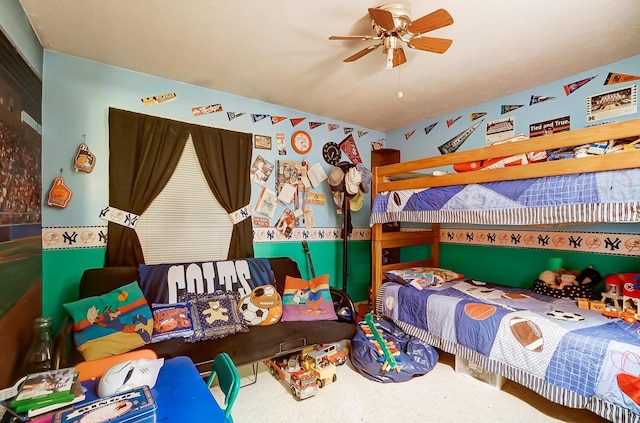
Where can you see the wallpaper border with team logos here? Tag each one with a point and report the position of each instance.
(623, 244)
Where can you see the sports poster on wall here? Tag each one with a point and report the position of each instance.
(620, 102)
(501, 129)
(550, 126)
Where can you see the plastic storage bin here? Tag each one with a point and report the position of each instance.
(469, 368)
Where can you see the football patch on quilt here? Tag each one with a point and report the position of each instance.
(165, 283)
(214, 315)
(113, 323)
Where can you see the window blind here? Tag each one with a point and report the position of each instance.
(185, 222)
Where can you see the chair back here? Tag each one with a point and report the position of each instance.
(95, 368)
(228, 380)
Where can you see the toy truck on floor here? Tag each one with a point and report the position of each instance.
(318, 363)
(301, 382)
(334, 354)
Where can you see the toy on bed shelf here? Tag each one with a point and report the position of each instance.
(622, 292)
(387, 349)
(562, 283)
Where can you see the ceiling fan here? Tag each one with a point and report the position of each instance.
(393, 26)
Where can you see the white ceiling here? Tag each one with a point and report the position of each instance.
(278, 51)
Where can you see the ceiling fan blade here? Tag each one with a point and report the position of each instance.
(361, 53)
(352, 37)
(434, 45)
(434, 20)
(383, 18)
(398, 57)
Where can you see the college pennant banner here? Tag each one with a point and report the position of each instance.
(569, 88)
(255, 118)
(506, 108)
(277, 119)
(205, 110)
(233, 115)
(295, 121)
(429, 128)
(452, 121)
(332, 127)
(409, 134)
(474, 116)
(158, 99)
(314, 125)
(362, 133)
(535, 99)
(616, 78)
(348, 131)
(454, 143)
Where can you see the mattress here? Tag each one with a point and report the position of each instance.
(575, 357)
(610, 196)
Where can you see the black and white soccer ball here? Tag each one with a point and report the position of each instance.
(565, 315)
(253, 314)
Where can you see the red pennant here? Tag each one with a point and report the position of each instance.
(295, 121)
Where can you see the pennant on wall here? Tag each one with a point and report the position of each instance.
(478, 115)
(535, 99)
(616, 78)
(205, 110)
(430, 127)
(255, 118)
(233, 115)
(295, 121)
(569, 88)
(362, 133)
(506, 108)
(348, 145)
(348, 130)
(314, 125)
(158, 99)
(277, 119)
(409, 134)
(332, 127)
(454, 143)
(452, 121)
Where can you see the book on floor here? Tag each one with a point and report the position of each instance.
(44, 389)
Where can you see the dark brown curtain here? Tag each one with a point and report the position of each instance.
(225, 159)
(144, 151)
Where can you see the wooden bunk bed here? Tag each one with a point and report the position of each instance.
(406, 176)
(391, 181)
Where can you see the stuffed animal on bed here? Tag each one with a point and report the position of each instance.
(562, 278)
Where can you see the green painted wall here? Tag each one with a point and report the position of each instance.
(62, 285)
(518, 266)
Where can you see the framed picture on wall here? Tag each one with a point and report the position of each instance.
(262, 141)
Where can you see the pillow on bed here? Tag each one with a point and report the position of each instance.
(307, 300)
(110, 324)
(422, 277)
(214, 315)
(171, 321)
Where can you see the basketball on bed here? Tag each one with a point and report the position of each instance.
(479, 311)
(527, 333)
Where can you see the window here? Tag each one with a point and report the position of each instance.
(185, 222)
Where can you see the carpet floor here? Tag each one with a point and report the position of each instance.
(442, 396)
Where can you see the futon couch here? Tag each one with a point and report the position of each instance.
(259, 343)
